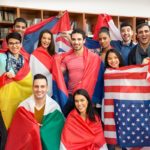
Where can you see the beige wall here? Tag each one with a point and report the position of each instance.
(139, 8)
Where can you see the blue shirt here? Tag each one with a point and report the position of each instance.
(123, 49)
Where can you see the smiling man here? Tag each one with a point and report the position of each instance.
(82, 67)
(38, 121)
(124, 46)
(141, 52)
(15, 79)
(20, 26)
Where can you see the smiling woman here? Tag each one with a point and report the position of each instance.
(83, 128)
(42, 58)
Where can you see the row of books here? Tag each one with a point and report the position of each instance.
(7, 16)
(89, 29)
(3, 32)
(33, 21)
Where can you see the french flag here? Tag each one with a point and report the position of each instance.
(54, 24)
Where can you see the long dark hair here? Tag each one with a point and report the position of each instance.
(90, 110)
(121, 62)
(51, 48)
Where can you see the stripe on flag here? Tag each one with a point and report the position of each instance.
(54, 24)
(127, 104)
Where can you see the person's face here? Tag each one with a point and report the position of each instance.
(104, 40)
(113, 60)
(81, 103)
(77, 41)
(45, 40)
(126, 34)
(143, 35)
(14, 46)
(40, 89)
(20, 27)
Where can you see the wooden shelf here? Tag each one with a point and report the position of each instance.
(6, 23)
(86, 21)
(47, 13)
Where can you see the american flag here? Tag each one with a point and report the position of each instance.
(127, 106)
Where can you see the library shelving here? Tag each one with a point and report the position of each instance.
(85, 21)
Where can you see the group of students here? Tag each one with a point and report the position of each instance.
(38, 122)
(130, 52)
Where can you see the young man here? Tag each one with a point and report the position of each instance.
(83, 68)
(15, 77)
(38, 120)
(124, 46)
(12, 61)
(141, 52)
(15, 81)
(20, 26)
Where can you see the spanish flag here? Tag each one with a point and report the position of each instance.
(13, 91)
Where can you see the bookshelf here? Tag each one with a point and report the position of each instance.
(85, 21)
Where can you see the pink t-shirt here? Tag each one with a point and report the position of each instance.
(75, 66)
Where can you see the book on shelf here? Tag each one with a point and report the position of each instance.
(74, 25)
(33, 21)
(8, 16)
(36, 20)
(3, 32)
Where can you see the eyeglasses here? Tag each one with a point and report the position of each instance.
(15, 44)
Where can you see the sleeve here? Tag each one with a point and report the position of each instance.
(63, 66)
(2, 64)
(132, 57)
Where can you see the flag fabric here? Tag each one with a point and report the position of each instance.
(14, 90)
(54, 24)
(127, 106)
(62, 44)
(107, 21)
(78, 134)
(42, 62)
(92, 45)
(29, 135)
(94, 71)
(59, 88)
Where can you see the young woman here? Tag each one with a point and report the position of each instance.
(83, 129)
(41, 59)
(104, 41)
(113, 59)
